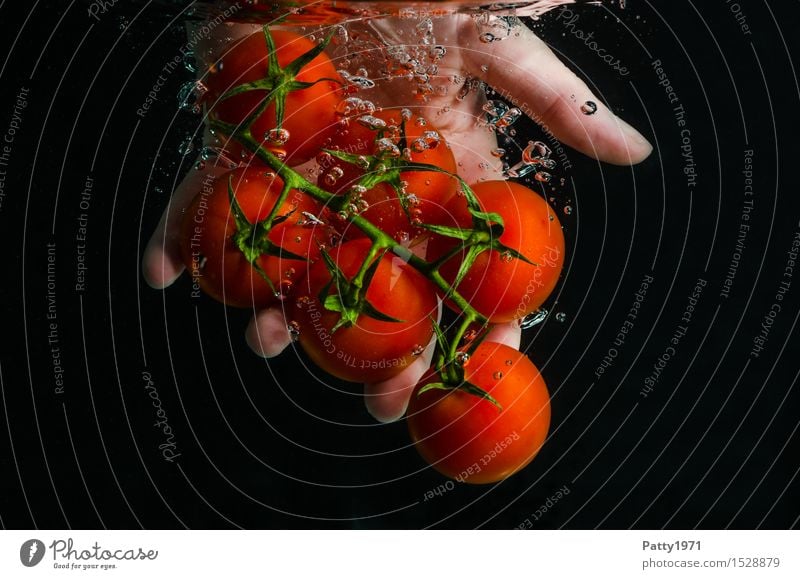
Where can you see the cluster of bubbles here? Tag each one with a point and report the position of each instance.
(416, 60)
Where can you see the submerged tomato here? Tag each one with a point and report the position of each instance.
(499, 286)
(425, 192)
(468, 438)
(310, 113)
(370, 350)
(212, 256)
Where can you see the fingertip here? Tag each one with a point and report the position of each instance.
(386, 408)
(160, 269)
(387, 401)
(636, 147)
(267, 333)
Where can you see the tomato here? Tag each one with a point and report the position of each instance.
(310, 113)
(467, 437)
(370, 350)
(426, 191)
(499, 286)
(212, 256)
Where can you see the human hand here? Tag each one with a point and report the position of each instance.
(521, 68)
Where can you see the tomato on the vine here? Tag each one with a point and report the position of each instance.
(370, 349)
(498, 285)
(210, 238)
(468, 437)
(310, 110)
(423, 193)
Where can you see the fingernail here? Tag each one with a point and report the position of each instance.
(640, 148)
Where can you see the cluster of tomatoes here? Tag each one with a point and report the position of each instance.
(361, 254)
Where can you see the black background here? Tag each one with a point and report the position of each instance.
(268, 444)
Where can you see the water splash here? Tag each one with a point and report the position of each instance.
(533, 319)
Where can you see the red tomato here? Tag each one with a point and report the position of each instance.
(370, 350)
(501, 287)
(214, 260)
(427, 191)
(310, 113)
(468, 438)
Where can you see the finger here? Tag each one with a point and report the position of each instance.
(161, 262)
(387, 401)
(526, 72)
(267, 334)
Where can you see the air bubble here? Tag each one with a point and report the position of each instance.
(508, 118)
(462, 359)
(567, 210)
(386, 146)
(428, 140)
(417, 350)
(189, 61)
(589, 108)
(372, 123)
(438, 52)
(283, 289)
(277, 136)
(355, 81)
(487, 37)
(294, 330)
(561, 317)
(187, 146)
(340, 35)
(189, 95)
(333, 176)
(497, 375)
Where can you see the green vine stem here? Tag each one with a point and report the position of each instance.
(447, 359)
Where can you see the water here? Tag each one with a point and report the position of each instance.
(310, 11)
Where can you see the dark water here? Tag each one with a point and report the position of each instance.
(692, 421)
